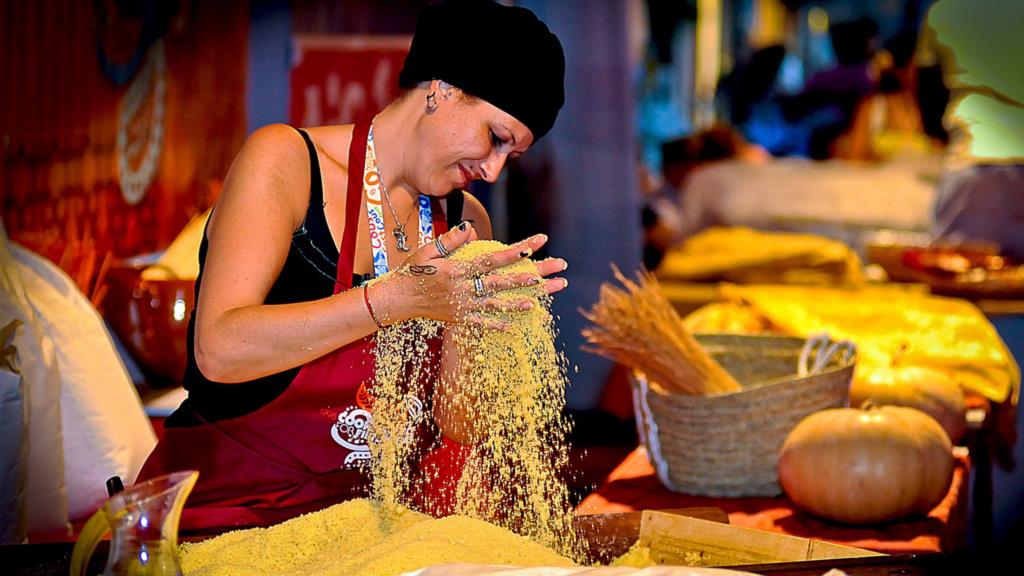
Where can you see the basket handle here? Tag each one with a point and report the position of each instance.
(648, 429)
(823, 350)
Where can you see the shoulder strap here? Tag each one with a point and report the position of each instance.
(316, 185)
(353, 203)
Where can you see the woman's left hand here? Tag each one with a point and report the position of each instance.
(429, 285)
(498, 281)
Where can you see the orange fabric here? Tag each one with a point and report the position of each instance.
(617, 397)
(634, 486)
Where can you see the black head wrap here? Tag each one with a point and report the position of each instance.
(502, 54)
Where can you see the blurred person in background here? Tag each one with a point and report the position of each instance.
(830, 97)
(982, 202)
(888, 122)
(665, 220)
(980, 196)
(753, 95)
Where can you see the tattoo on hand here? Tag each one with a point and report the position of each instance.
(425, 270)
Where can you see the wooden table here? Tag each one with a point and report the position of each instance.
(633, 485)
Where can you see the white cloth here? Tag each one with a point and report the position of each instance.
(46, 501)
(106, 431)
(833, 198)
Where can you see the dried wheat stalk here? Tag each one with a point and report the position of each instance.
(638, 327)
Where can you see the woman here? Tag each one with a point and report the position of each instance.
(280, 357)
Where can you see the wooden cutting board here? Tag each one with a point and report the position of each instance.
(608, 536)
(688, 541)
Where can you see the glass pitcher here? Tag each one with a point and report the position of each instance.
(143, 524)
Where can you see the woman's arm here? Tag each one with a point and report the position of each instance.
(453, 410)
(263, 201)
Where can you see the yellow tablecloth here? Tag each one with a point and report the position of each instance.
(945, 333)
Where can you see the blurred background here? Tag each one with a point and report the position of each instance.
(887, 126)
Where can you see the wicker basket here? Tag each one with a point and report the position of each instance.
(728, 445)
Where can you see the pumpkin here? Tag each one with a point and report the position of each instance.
(866, 466)
(928, 390)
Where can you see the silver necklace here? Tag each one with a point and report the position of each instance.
(401, 238)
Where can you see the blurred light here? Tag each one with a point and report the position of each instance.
(817, 20)
(790, 79)
(179, 310)
(707, 65)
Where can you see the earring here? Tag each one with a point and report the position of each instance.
(431, 103)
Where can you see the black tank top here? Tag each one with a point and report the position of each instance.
(308, 274)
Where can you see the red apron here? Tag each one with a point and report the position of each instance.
(307, 449)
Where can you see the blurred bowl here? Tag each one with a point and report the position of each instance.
(150, 317)
(972, 271)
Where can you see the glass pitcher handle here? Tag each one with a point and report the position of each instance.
(94, 530)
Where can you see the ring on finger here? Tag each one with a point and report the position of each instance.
(478, 286)
(440, 247)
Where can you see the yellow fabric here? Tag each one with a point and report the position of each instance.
(892, 143)
(744, 255)
(728, 318)
(943, 333)
(181, 258)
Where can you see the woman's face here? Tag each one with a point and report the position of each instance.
(465, 139)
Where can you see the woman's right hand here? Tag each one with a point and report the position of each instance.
(429, 285)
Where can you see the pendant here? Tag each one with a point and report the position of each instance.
(403, 244)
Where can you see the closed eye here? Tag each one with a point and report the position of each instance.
(498, 142)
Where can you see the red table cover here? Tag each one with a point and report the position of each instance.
(633, 485)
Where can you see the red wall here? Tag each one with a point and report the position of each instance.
(59, 187)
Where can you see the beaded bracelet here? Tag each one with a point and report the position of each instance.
(366, 298)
